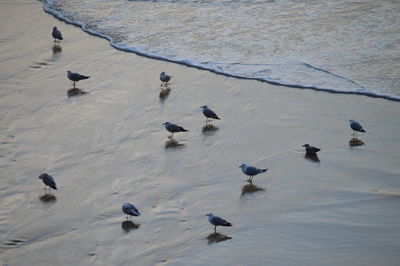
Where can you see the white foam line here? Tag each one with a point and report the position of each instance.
(194, 64)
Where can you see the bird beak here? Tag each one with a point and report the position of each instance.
(240, 166)
(303, 145)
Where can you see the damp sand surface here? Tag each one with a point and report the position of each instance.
(108, 146)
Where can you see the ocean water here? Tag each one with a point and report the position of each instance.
(339, 46)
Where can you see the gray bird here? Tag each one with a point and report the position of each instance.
(75, 77)
(217, 221)
(48, 180)
(209, 114)
(164, 78)
(130, 210)
(310, 150)
(173, 128)
(355, 126)
(56, 34)
(251, 171)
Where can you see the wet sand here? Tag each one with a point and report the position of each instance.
(108, 146)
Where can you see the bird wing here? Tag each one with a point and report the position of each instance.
(251, 170)
(219, 221)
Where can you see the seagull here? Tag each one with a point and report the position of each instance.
(75, 77)
(48, 180)
(310, 150)
(216, 220)
(173, 128)
(209, 114)
(251, 171)
(164, 78)
(56, 34)
(355, 126)
(130, 210)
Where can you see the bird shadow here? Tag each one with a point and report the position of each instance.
(75, 92)
(56, 48)
(312, 157)
(354, 142)
(209, 129)
(129, 225)
(217, 237)
(171, 143)
(251, 188)
(48, 198)
(164, 92)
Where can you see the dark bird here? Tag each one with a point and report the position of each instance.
(48, 180)
(355, 126)
(209, 114)
(173, 128)
(310, 149)
(130, 210)
(251, 171)
(75, 77)
(217, 221)
(56, 34)
(164, 78)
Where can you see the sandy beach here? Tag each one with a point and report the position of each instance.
(108, 147)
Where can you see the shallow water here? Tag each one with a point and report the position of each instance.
(108, 147)
(340, 46)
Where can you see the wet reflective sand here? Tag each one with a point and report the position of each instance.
(109, 147)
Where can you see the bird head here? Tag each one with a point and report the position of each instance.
(243, 165)
(210, 214)
(166, 123)
(42, 176)
(351, 121)
(204, 106)
(54, 28)
(306, 145)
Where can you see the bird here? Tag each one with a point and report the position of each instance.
(75, 77)
(209, 114)
(355, 126)
(130, 210)
(164, 78)
(251, 171)
(216, 220)
(56, 34)
(48, 180)
(310, 150)
(173, 128)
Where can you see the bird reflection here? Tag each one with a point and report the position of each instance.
(209, 129)
(250, 188)
(129, 225)
(356, 142)
(47, 197)
(217, 237)
(164, 93)
(75, 92)
(171, 143)
(312, 157)
(56, 49)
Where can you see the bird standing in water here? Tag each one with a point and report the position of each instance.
(164, 78)
(217, 221)
(356, 127)
(209, 114)
(56, 34)
(75, 77)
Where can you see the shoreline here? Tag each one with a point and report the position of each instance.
(372, 94)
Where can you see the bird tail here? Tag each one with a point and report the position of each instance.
(362, 130)
(264, 170)
(184, 130)
(61, 38)
(216, 117)
(228, 224)
(85, 77)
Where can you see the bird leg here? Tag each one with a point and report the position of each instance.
(215, 229)
(171, 135)
(250, 179)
